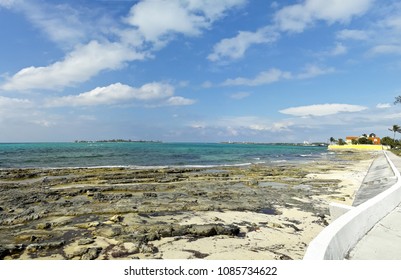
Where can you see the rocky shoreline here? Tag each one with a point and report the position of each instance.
(252, 212)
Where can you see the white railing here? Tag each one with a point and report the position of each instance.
(338, 238)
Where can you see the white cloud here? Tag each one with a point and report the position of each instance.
(311, 71)
(240, 95)
(273, 127)
(11, 103)
(266, 77)
(385, 49)
(121, 94)
(339, 49)
(353, 34)
(322, 110)
(296, 18)
(234, 48)
(179, 101)
(392, 20)
(12, 108)
(60, 22)
(383, 105)
(158, 18)
(8, 3)
(78, 66)
(275, 75)
(243, 127)
(198, 125)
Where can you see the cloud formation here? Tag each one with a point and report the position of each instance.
(6, 102)
(383, 105)
(266, 77)
(275, 75)
(156, 19)
(352, 34)
(161, 94)
(78, 66)
(296, 18)
(322, 110)
(293, 18)
(240, 95)
(234, 48)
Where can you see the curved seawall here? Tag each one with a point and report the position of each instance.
(336, 240)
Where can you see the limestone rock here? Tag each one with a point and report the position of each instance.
(91, 253)
(116, 218)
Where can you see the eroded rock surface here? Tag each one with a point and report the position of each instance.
(114, 213)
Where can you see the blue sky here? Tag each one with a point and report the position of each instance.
(198, 70)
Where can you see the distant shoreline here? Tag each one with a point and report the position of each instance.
(118, 141)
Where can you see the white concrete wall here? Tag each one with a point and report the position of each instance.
(335, 241)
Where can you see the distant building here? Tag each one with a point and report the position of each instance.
(349, 139)
(372, 136)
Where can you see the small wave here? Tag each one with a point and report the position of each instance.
(175, 166)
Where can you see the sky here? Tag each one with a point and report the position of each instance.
(198, 70)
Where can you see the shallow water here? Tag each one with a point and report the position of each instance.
(137, 154)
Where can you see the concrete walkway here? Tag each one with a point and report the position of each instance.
(379, 178)
(383, 241)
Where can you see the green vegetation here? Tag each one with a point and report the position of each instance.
(364, 141)
(395, 129)
(341, 142)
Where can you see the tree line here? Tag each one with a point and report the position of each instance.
(364, 139)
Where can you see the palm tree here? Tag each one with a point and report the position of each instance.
(395, 129)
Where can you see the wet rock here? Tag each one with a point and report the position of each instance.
(93, 224)
(150, 195)
(231, 230)
(44, 226)
(293, 226)
(77, 253)
(33, 248)
(252, 182)
(148, 249)
(284, 257)
(86, 241)
(322, 220)
(86, 202)
(125, 249)
(11, 249)
(212, 230)
(91, 253)
(109, 231)
(116, 218)
(203, 230)
(153, 236)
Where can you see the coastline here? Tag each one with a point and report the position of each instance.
(247, 212)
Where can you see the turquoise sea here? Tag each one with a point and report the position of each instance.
(145, 154)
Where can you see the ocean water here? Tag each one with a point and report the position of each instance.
(145, 154)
